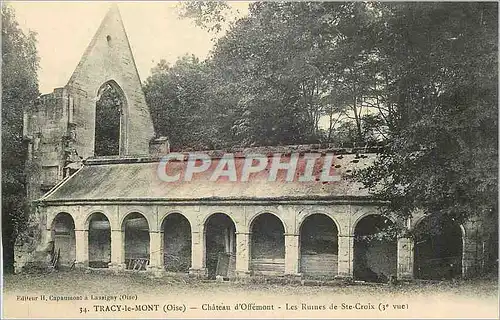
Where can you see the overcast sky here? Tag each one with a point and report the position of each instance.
(65, 29)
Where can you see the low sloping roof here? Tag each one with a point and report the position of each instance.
(140, 181)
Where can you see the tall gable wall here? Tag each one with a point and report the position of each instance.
(109, 58)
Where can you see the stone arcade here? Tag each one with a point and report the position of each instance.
(97, 198)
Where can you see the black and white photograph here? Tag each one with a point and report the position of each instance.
(235, 159)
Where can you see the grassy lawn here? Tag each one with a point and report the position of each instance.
(78, 282)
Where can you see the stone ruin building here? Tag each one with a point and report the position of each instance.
(97, 201)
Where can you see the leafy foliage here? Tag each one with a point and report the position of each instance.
(178, 97)
(108, 114)
(443, 147)
(211, 15)
(19, 90)
(419, 78)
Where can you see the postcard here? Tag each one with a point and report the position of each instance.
(249, 160)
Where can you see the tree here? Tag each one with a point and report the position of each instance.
(282, 68)
(273, 62)
(442, 108)
(290, 64)
(178, 99)
(419, 77)
(209, 15)
(107, 129)
(19, 90)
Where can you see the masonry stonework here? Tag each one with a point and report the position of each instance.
(109, 58)
(67, 193)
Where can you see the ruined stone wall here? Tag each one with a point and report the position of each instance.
(109, 58)
(45, 131)
(60, 127)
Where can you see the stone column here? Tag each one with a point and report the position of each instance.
(155, 252)
(346, 256)
(198, 255)
(405, 259)
(81, 248)
(162, 249)
(470, 250)
(242, 254)
(117, 260)
(46, 238)
(292, 254)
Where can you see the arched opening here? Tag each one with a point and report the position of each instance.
(438, 249)
(220, 246)
(63, 237)
(375, 249)
(99, 241)
(136, 241)
(267, 245)
(318, 246)
(176, 242)
(110, 121)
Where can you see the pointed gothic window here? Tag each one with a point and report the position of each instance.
(109, 122)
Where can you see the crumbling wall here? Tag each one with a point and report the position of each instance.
(59, 128)
(45, 131)
(109, 58)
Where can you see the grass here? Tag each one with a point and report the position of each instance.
(80, 282)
